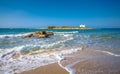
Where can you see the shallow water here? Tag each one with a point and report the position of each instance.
(18, 54)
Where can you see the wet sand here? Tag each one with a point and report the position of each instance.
(48, 69)
(89, 62)
(93, 67)
(93, 62)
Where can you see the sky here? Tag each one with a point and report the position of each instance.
(41, 13)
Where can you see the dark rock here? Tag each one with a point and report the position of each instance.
(43, 32)
(39, 34)
(7, 37)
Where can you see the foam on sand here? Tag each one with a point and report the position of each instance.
(60, 57)
(109, 53)
(24, 62)
(27, 62)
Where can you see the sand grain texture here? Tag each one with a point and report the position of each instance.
(48, 69)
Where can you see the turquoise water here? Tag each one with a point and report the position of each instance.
(12, 42)
(10, 38)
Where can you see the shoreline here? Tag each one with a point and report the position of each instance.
(64, 48)
(79, 63)
(57, 66)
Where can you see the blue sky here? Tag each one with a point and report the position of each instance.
(40, 13)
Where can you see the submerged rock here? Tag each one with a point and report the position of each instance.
(39, 34)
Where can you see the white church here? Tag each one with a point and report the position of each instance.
(82, 26)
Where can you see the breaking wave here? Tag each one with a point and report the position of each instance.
(13, 35)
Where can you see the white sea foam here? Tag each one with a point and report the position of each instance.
(22, 34)
(110, 53)
(66, 37)
(60, 56)
(14, 35)
(5, 52)
(67, 32)
(25, 63)
(44, 45)
(55, 43)
(10, 65)
(28, 62)
(68, 68)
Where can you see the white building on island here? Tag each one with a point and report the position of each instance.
(82, 26)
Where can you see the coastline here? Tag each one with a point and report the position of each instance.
(98, 62)
(63, 49)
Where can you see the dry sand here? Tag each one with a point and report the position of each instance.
(48, 69)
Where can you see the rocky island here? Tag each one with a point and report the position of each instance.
(81, 27)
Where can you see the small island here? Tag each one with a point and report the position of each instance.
(81, 27)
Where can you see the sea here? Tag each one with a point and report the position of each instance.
(18, 54)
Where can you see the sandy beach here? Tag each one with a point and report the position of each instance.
(93, 62)
(48, 69)
(97, 63)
